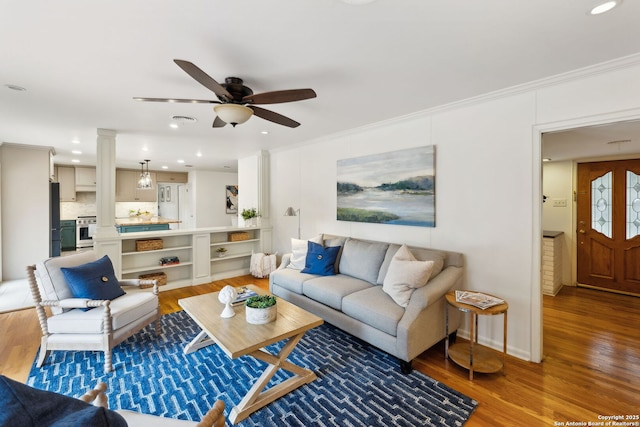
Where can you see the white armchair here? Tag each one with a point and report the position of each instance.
(71, 326)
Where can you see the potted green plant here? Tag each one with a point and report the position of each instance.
(221, 252)
(261, 309)
(250, 215)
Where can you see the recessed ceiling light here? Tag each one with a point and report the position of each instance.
(16, 87)
(76, 152)
(145, 148)
(604, 7)
(357, 2)
(165, 167)
(173, 125)
(265, 132)
(180, 161)
(199, 154)
(75, 141)
(75, 161)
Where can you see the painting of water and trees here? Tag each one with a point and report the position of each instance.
(397, 187)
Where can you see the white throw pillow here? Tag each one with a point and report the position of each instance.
(405, 275)
(299, 251)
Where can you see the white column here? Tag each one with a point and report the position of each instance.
(106, 183)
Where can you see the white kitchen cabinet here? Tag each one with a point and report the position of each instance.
(66, 177)
(127, 187)
(85, 178)
(172, 177)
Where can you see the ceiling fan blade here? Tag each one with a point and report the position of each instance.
(186, 101)
(273, 117)
(219, 123)
(204, 79)
(279, 96)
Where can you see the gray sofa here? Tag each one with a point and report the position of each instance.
(354, 300)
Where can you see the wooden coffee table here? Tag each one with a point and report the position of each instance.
(237, 338)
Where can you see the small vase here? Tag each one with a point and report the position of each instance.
(222, 254)
(260, 316)
(251, 222)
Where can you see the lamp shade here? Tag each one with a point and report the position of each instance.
(290, 212)
(233, 114)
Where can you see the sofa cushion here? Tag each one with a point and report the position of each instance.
(375, 308)
(335, 241)
(124, 310)
(321, 260)
(94, 280)
(438, 258)
(362, 260)
(330, 290)
(405, 274)
(299, 251)
(290, 279)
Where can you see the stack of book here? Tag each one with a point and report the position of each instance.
(243, 295)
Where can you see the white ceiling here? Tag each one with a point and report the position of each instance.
(82, 62)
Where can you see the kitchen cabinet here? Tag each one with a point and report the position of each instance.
(172, 177)
(68, 234)
(85, 178)
(138, 228)
(127, 187)
(66, 177)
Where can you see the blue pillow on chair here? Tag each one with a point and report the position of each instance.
(93, 280)
(320, 260)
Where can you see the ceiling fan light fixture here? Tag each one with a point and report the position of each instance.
(234, 114)
(603, 7)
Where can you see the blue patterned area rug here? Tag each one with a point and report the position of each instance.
(357, 385)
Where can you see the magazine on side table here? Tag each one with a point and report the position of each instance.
(477, 299)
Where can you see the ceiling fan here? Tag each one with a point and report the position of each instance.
(237, 101)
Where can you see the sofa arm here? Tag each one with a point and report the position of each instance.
(435, 289)
(74, 303)
(285, 261)
(138, 282)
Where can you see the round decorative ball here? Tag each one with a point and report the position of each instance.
(226, 296)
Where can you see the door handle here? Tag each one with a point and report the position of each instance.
(581, 231)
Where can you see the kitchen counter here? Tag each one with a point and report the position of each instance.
(130, 221)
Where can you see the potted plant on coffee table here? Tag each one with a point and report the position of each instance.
(261, 309)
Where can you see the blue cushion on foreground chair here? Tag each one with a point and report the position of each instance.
(26, 406)
(93, 280)
(320, 260)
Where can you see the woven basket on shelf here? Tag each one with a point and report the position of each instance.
(148, 245)
(160, 278)
(238, 236)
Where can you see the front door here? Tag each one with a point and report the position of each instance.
(608, 208)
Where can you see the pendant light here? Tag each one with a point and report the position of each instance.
(145, 183)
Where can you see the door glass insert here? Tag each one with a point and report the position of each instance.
(633, 205)
(601, 204)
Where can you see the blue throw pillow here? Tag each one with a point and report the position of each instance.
(94, 280)
(320, 260)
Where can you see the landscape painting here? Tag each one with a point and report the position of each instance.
(397, 187)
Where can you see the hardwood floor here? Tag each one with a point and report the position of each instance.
(591, 366)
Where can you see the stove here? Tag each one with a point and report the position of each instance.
(85, 229)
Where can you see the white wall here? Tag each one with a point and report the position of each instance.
(208, 197)
(557, 185)
(488, 183)
(25, 208)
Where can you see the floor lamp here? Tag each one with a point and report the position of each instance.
(294, 212)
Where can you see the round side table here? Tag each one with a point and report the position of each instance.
(475, 357)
